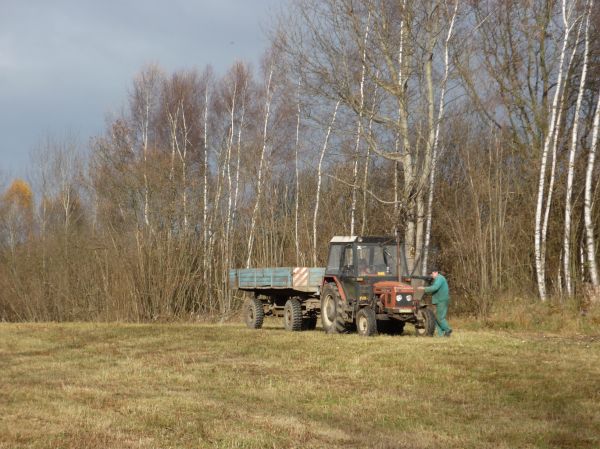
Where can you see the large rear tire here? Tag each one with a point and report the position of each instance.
(426, 324)
(332, 312)
(366, 322)
(292, 315)
(254, 313)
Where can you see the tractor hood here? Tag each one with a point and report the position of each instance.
(393, 286)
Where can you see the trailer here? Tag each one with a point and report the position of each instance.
(363, 287)
(289, 292)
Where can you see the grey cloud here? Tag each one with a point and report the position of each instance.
(64, 64)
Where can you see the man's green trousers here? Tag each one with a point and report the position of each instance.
(442, 326)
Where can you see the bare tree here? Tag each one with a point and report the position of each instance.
(319, 179)
(572, 151)
(588, 200)
(145, 100)
(259, 185)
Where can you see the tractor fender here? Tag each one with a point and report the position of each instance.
(334, 280)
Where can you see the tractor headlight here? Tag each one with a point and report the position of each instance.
(398, 298)
(408, 297)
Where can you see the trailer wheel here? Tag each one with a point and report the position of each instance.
(366, 322)
(309, 323)
(426, 324)
(332, 317)
(254, 314)
(292, 315)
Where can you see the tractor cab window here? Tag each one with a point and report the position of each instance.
(348, 259)
(376, 259)
(333, 263)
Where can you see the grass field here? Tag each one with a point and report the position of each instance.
(201, 386)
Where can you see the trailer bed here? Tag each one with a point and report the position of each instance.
(295, 279)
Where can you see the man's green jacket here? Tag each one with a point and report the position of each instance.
(440, 290)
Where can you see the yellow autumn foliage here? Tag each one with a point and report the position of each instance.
(19, 194)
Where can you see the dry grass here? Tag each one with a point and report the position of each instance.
(201, 386)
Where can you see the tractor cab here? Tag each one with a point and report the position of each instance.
(373, 257)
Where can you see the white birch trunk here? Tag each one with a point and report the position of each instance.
(297, 206)
(359, 129)
(436, 140)
(205, 180)
(554, 145)
(183, 158)
(319, 179)
(571, 166)
(230, 193)
(145, 155)
(239, 151)
(588, 201)
(539, 241)
(363, 224)
(260, 169)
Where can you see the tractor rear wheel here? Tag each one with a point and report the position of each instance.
(292, 315)
(366, 322)
(332, 312)
(426, 324)
(254, 313)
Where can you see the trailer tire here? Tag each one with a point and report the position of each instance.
(332, 312)
(254, 313)
(309, 323)
(426, 325)
(366, 322)
(292, 315)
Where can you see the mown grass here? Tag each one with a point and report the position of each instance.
(224, 386)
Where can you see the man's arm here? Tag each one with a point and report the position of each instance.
(437, 283)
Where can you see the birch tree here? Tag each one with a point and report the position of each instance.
(588, 199)
(572, 151)
(145, 101)
(330, 48)
(261, 164)
(549, 141)
(319, 180)
(436, 139)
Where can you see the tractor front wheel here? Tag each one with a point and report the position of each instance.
(366, 322)
(426, 324)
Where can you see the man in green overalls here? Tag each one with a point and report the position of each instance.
(441, 298)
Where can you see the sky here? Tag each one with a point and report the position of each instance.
(65, 65)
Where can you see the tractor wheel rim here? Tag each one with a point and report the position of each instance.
(362, 324)
(329, 309)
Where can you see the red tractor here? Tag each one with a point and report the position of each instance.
(362, 289)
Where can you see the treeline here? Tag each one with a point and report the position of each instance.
(468, 129)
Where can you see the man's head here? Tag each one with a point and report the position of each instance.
(434, 272)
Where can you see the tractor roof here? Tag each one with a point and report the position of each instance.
(362, 239)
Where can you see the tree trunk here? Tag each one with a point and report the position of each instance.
(571, 166)
(588, 200)
(260, 169)
(319, 178)
(539, 233)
